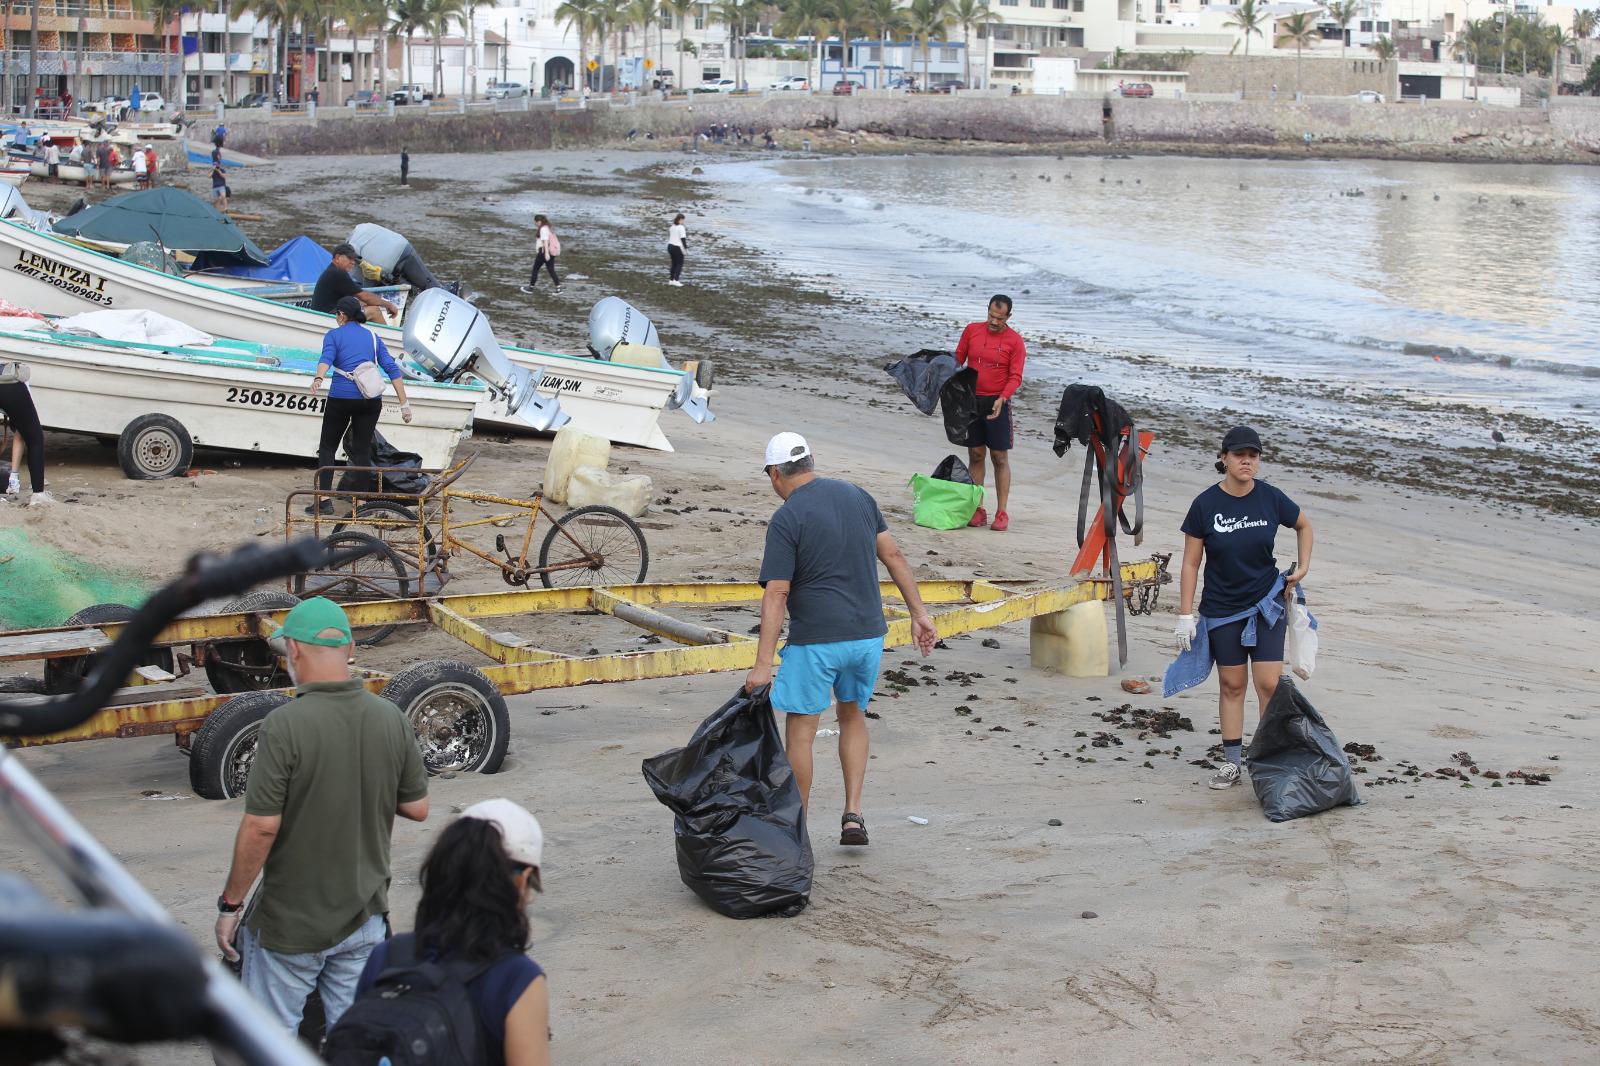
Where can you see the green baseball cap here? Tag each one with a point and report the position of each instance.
(311, 619)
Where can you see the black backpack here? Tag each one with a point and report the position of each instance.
(417, 1013)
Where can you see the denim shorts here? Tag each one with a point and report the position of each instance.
(1227, 649)
(812, 676)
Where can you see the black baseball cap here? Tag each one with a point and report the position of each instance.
(351, 308)
(1240, 437)
(347, 249)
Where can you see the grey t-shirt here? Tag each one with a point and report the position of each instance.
(824, 541)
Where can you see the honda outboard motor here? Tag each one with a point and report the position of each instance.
(448, 337)
(616, 324)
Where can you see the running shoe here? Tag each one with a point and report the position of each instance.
(41, 499)
(1227, 776)
(530, 290)
(558, 290)
(1002, 522)
(980, 518)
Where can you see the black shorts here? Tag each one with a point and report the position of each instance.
(1226, 649)
(994, 434)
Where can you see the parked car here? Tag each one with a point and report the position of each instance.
(364, 98)
(718, 85)
(506, 90)
(1138, 90)
(847, 88)
(949, 86)
(797, 82)
(1368, 96)
(252, 100)
(411, 94)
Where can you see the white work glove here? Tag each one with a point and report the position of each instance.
(1183, 633)
(405, 413)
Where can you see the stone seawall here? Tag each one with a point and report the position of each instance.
(1565, 133)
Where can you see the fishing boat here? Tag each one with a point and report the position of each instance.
(160, 401)
(74, 173)
(14, 175)
(610, 399)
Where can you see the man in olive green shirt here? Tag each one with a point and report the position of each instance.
(332, 768)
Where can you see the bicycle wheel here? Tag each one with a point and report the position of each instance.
(396, 525)
(379, 576)
(609, 545)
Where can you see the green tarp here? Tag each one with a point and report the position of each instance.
(178, 220)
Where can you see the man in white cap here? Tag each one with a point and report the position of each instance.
(821, 569)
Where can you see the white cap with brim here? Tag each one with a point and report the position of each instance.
(520, 832)
(786, 448)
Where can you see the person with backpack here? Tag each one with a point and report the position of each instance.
(360, 364)
(464, 969)
(548, 249)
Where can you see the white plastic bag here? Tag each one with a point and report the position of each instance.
(1300, 642)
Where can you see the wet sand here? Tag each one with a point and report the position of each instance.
(1435, 924)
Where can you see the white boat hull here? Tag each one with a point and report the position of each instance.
(84, 387)
(53, 276)
(75, 173)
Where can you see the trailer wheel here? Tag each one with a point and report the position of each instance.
(604, 533)
(458, 715)
(64, 675)
(382, 575)
(154, 447)
(249, 664)
(224, 747)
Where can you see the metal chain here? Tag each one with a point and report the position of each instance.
(1142, 598)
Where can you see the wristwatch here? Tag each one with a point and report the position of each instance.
(224, 907)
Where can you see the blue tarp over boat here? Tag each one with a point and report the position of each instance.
(300, 260)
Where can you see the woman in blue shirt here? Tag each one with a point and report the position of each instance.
(476, 884)
(1234, 525)
(345, 347)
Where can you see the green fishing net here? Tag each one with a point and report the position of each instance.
(42, 586)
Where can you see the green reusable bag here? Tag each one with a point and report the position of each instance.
(941, 504)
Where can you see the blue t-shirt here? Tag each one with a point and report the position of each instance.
(824, 542)
(493, 993)
(347, 347)
(1239, 532)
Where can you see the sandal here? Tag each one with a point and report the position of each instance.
(853, 835)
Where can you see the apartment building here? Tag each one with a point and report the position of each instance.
(89, 48)
(226, 57)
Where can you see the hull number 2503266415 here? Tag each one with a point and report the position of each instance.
(282, 401)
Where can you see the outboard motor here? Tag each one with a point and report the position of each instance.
(448, 337)
(616, 325)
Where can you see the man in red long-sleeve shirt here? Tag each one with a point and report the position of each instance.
(996, 352)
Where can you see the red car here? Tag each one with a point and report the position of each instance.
(845, 88)
(1138, 90)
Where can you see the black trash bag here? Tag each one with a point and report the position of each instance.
(740, 829)
(932, 379)
(1296, 764)
(397, 462)
(953, 469)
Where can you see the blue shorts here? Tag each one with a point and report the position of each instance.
(812, 676)
(1226, 649)
(992, 433)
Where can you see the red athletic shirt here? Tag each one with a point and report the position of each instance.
(997, 357)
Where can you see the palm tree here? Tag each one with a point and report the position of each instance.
(849, 15)
(580, 16)
(33, 57)
(1560, 40)
(1474, 40)
(970, 13)
(407, 17)
(934, 17)
(642, 13)
(1385, 49)
(1247, 19)
(1583, 24)
(1299, 29)
(161, 13)
(887, 16)
(681, 9)
(807, 18)
(736, 15)
(1342, 12)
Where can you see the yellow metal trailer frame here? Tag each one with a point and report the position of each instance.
(518, 666)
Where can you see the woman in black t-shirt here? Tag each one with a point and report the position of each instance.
(1234, 525)
(476, 884)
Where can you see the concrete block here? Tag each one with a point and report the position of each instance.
(1074, 642)
(628, 493)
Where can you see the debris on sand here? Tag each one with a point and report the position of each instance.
(1162, 723)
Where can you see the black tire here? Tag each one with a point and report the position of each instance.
(64, 675)
(383, 575)
(152, 447)
(248, 665)
(223, 748)
(403, 539)
(458, 716)
(613, 539)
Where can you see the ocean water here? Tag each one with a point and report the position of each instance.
(1470, 287)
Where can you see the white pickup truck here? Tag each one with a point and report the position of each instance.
(411, 94)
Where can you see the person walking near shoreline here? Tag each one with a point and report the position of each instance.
(1243, 613)
(820, 567)
(332, 768)
(677, 244)
(405, 165)
(997, 352)
(547, 248)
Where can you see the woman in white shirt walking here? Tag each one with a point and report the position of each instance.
(549, 247)
(677, 242)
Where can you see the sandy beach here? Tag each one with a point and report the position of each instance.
(1160, 922)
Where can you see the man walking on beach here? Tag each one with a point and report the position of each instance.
(405, 165)
(821, 568)
(996, 352)
(332, 768)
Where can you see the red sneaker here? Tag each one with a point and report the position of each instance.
(1002, 522)
(980, 517)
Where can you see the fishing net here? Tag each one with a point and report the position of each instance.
(42, 586)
